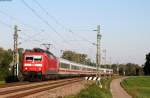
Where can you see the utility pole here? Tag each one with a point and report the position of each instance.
(110, 62)
(104, 57)
(15, 53)
(98, 53)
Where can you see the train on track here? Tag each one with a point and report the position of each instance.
(42, 64)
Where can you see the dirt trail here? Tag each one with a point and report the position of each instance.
(116, 89)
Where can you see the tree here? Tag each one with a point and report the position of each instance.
(146, 67)
(1, 55)
(5, 60)
(77, 57)
(114, 67)
(128, 69)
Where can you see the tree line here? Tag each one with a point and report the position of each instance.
(128, 69)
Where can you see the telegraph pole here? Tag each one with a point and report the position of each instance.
(98, 54)
(104, 57)
(15, 53)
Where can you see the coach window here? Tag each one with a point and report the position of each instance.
(89, 69)
(63, 65)
(75, 67)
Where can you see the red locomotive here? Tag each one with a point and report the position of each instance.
(38, 63)
(42, 64)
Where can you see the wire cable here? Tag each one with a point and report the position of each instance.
(57, 22)
(7, 25)
(14, 18)
(44, 21)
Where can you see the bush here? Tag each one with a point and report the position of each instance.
(94, 91)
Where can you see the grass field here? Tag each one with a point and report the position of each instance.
(94, 91)
(2, 82)
(138, 87)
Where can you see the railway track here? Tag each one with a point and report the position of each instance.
(13, 84)
(18, 91)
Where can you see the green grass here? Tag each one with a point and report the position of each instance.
(94, 91)
(2, 82)
(137, 87)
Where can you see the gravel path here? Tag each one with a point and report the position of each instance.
(116, 89)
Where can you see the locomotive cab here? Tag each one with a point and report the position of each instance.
(38, 63)
(32, 65)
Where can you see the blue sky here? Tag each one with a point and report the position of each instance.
(124, 26)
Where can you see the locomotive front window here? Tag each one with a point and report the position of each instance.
(29, 58)
(33, 58)
(37, 58)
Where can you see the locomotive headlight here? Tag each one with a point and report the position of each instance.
(26, 68)
(39, 68)
(38, 65)
(27, 64)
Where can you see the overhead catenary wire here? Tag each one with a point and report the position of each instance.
(21, 22)
(29, 38)
(46, 22)
(24, 40)
(63, 26)
(16, 19)
(35, 40)
(47, 13)
(76, 35)
(9, 26)
(5, 24)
